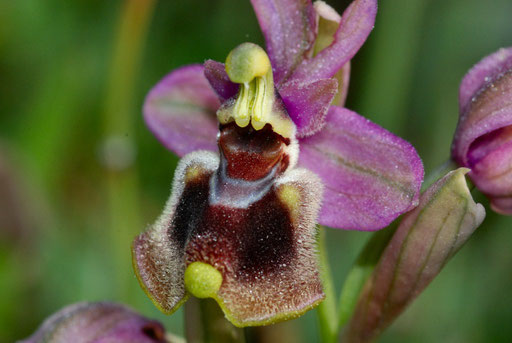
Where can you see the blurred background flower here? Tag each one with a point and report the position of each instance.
(100, 322)
(483, 139)
(62, 119)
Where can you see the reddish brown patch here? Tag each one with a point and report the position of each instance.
(250, 242)
(248, 239)
(189, 211)
(251, 154)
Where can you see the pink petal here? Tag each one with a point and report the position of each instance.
(492, 173)
(180, 111)
(216, 74)
(289, 30)
(355, 26)
(370, 175)
(307, 104)
(502, 205)
(485, 102)
(343, 77)
(328, 23)
(484, 73)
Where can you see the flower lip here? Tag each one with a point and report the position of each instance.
(240, 230)
(264, 250)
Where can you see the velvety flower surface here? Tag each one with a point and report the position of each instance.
(98, 323)
(483, 140)
(265, 156)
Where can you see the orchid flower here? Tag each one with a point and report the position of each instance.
(483, 140)
(265, 157)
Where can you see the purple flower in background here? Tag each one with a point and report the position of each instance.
(483, 139)
(267, 154)
(98, 323)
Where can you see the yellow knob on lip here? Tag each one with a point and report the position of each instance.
(202, 280)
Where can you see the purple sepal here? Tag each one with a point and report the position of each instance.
(343, 77)
(307, 104)
(370, 175)
(478, 117)
(356, 24)
(484, 73)
(215, 73)
(98, 323)
(490, 158)
(483, 139)
(502, 205)
(180, 111)
(289, 30)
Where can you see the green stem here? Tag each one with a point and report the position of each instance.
(327, 313)
(119, 141)
(282, 332)
(205, 323)
(360, 272)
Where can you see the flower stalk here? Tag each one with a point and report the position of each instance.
(327, 312)
(360, 272)
(205, 323)
(424, 241)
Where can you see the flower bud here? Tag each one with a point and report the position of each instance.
(98, 323)
(483, 139)
(426, 238)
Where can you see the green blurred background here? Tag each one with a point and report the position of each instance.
(80, 174)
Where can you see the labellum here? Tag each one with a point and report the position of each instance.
(239, 226)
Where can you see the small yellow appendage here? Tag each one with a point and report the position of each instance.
(246, 62)
(291, 197)
(202, 280)
(249, 65)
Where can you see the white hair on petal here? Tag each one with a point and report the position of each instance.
(159, 260)
(295, 286)
(207, 160)
(292, 150)
(312, 190)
